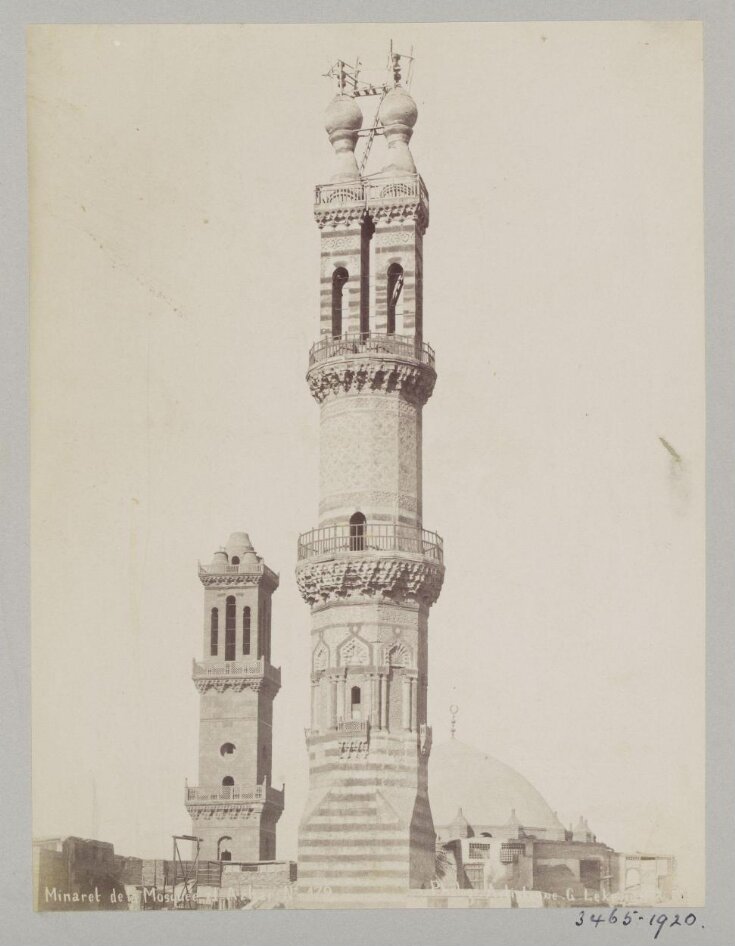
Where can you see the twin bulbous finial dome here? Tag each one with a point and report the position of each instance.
(398, 108)
(343, 115)
(343, 120)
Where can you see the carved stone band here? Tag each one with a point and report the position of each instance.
(368, 371)
(399, 579)
(238, 684)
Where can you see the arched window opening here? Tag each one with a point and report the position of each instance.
(213, 632)
(395, 285)
(357, 532)
(228, 781)
(246, 631)
(227, 748)
(339, 278)
(355, 703)
(230, 628)
(235, 559)
(223, 851)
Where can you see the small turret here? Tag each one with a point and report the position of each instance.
(220, 561)
(460, 827)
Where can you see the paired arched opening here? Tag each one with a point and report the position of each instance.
(230, 628)
(228, 781)
(223, 850)
(246, 631)
(355, 703)
(227, 748)
(213, 632)
(395, 285)
(357, 532)
(339, 278)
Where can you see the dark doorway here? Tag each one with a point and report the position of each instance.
(357, 532)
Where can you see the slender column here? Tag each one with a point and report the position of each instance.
(375, 700)
(341, 697)
(383, 701)
(367, 699)
(414, 701)
(332, 702)
(406, 701)
(314, 720)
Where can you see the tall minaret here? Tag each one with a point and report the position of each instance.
(234, 809)
(370, 572)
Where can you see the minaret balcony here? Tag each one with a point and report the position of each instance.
(393, 197)
(372, 190)
(390, 560)
(235, 674)
(229, 794)
(245, 573)
(371, 343)
(372, 537)
(371, 362)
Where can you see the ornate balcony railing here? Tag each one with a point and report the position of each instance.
(358, 343)
(344, 192)
(371, 537)
(373, 191)
(401, 189)
(232, 793)
(243, 569)
(201, 670)
(353, 725)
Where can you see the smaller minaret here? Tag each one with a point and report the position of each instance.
(234, 808)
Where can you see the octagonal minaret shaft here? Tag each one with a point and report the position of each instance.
(370, 571)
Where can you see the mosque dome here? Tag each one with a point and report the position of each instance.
(342, 114)
(398, 108)
(489, 792)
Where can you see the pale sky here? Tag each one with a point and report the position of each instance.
(175, 265)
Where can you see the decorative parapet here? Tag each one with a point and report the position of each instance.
(384, 199)
(231, 801)
(388, 576)
(398, 200)
(339, 205)
(235, 675)
(237, 575)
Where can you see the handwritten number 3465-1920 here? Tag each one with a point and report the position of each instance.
(636, 918)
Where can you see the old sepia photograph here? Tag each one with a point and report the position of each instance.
(368, 466)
